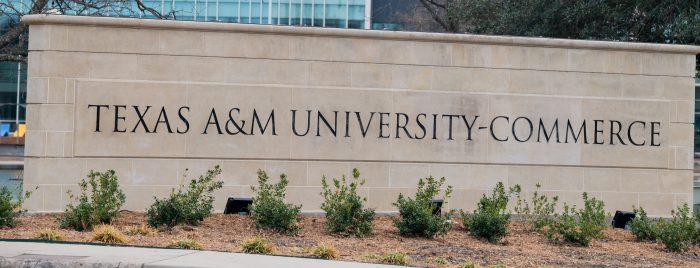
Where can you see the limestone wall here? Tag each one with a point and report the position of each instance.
(151, 99)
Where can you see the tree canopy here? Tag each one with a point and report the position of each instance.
(653, 21)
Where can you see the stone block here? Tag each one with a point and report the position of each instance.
(35, 143)
(54, 144)
(676, 181)
(163, 172)
(640, 180)
(381, 199)
(296, 171)
(329, 170)
(657, 204)
(309, 197)
(37, 90)
(602, 179)
(623, 201)
(60, 64)
(681, 134)
(330, 74)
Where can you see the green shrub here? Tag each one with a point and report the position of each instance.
(100, 204)
(490, 219)
(188, 206)
(579, 226)
(416, 215)
(48, 234)
(542, 211)
(107, 234)
(11, 208)
(395, 258)
(257, 245)
(680, 232)
(344, 208)
(269, 211)
(325, 252)
(468, 264)
(642, 227)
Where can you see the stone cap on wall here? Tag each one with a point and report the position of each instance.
(355, 33)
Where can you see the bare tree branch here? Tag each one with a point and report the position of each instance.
(437, 11)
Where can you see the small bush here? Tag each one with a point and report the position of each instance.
(11, 208)
(542, 211)
(143, 230)
(439, 261)
(490, 219)
(100, 204)
(344, 208)
(188, 206)
(500, 265)
(395, 258)
(468, 264)
(107, 234)
(579, 226)
(257, 245)
(186, 243)
(48, 234)
(269, 211)
(642, 227)
(416, 215)
(325, 252)
(680, 232)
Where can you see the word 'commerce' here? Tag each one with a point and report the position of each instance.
(381, 125)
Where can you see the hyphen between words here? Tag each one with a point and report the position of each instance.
(380, 125)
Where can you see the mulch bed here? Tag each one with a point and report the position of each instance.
(521, 248)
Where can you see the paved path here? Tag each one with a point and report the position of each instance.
(33, 254)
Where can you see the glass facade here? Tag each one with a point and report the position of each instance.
(320, 13)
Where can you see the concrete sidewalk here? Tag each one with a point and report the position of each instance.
(35, 254)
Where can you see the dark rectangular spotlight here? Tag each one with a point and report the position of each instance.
(437, 206)
(622, 218)
(238, 205)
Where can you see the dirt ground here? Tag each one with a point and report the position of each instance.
(521, 248)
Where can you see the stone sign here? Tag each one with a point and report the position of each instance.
(152, 99)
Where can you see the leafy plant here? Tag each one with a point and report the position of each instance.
(579, 226)
(325, 252)
(269, 211)
(107, 234)
(642, 227)
(542, 211)
(186, 243)
(395, 258)
(680, 232)
(48, 234)
(257, 245)
(11, 208)
(100, 205)
(188, 206)
(344, 208)
(490, 218)
(416, 215)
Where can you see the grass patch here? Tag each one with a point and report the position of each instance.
(107, 234)
(257, 245)
(323, 251)
(395, 258)
(49, 234)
